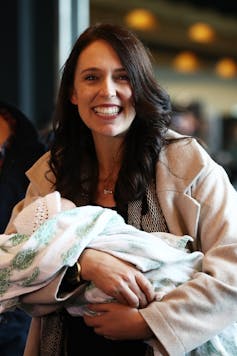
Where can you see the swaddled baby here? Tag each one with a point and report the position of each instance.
(52, 233)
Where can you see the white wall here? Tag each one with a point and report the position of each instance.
(218, 94)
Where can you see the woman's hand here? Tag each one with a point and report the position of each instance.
(116, 278)
(118, 322)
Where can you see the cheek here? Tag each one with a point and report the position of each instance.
(132, 105)
(128, 96)
(85, 95)
(82, 109)
(128, 93)
(82, 100)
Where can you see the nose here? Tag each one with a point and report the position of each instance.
(108, 88)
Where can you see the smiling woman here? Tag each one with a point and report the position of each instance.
(113, 148)
(102, 92)
(103, 96)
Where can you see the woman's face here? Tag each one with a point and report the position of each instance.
(102, 91)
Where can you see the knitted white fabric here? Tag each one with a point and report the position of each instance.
(42, 209)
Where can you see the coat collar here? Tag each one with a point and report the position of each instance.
(179, 166)
(41, 176)
(180, 163)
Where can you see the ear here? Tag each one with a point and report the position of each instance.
(73, 97)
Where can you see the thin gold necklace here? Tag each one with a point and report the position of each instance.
(107, 191)
(108, 183)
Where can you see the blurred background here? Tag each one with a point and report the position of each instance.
(193, 43)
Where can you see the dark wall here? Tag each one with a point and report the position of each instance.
(28, 62)
(8, 51)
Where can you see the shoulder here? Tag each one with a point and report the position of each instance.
(41, 164)
(41, 175)
(180, 147)
(183, 160)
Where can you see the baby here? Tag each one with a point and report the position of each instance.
(51, 235)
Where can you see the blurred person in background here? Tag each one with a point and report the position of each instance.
(19, 149)
(188, 119)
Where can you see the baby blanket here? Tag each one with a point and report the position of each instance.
(52, 233)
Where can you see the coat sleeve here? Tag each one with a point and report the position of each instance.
(201, 308)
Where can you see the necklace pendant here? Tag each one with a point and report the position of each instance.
(107, 191)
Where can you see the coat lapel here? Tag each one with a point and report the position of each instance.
(42, 184)
(178, 167)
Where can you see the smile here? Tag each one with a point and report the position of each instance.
(110, 110)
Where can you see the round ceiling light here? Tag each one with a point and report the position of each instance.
(141, 19)
(201, 32)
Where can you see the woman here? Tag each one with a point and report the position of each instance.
(112, 148)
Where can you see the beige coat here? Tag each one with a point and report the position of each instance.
(197, 199)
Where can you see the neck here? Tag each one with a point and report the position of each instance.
(108, 175)
(108, 150)
(109, 154)
(107, 181)
(109, 166)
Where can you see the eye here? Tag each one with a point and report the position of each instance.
(90, 77)
(124, 77)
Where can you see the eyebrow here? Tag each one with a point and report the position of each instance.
(95, 69)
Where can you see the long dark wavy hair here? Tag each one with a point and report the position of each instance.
(73, 158)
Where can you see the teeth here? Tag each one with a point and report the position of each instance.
(107, 110)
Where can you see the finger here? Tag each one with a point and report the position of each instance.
(127, 296)
(141, 300)
(131, 294)
(99, 308)
(146, 286)
(91, 321)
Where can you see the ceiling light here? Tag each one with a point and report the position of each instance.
(226, 68)
(141, 19)
(186, 62)
(201, 32)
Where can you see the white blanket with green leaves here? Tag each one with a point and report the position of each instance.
(49, 238)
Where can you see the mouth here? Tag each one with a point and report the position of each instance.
(107, 110)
